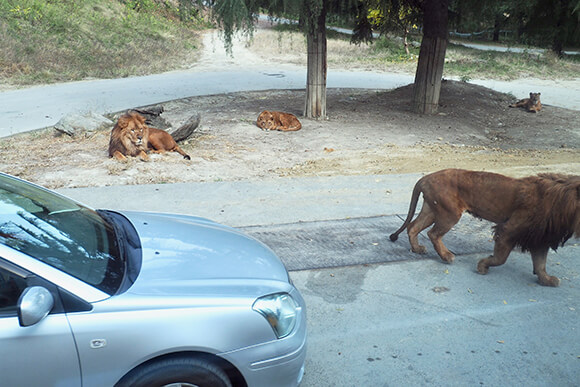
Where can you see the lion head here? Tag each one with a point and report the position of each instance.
(534, 98)
(129, 137)
(266, 120)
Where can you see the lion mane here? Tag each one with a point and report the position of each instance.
(552, 203)
(132, 137)
(532, 104)
(273, 120)
(129, 137)
(534, 213)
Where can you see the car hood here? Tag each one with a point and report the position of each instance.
(181, 251)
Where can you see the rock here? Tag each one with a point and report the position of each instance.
(73, 124)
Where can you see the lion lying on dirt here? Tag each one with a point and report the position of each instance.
(535, 213)
(286, 122)
(132, 137)
(531, 104)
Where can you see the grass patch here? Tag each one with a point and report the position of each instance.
(58, 40)
(468, 63)
(48, 41)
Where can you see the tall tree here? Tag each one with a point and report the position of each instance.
(427, 85)
(236, 15)
(546, 23)
(233, 16)
(384, 16)
(400, 14)
(554, 23)
(315, 105)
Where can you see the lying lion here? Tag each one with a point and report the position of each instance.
(531, 104)
(132, 137)
(535, 213)
(270, 120)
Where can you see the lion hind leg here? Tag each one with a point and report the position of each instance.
(294, 126)
(425, 219)
(289, 124)
(539, 258)
(442, 226)
(520, 103)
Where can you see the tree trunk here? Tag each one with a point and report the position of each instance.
(315, 106)
(560, 30)
(406, 41)
(431, 57)
(428, 77)
(496, 28)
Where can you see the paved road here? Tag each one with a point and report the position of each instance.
(398, 320)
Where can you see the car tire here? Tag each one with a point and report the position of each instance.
(175, 372)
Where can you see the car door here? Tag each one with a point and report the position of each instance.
(43, 354)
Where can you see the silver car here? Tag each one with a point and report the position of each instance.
(104, 298)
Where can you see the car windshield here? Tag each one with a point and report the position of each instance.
(60, 233)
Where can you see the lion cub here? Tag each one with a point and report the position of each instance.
(531, 104)
(132, 137)
(271, 120)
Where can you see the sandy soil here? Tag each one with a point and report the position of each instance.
(367, 132)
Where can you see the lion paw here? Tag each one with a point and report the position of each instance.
(419, 249)
(549, 280)
(448, 258)
(482, 267)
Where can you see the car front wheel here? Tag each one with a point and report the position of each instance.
(174, 372)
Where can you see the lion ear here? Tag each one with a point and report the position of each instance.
(122, 122)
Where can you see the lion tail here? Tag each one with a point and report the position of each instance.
(412, 207)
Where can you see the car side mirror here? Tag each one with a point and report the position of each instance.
(34, 304)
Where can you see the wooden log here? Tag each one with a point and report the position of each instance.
(186, 129)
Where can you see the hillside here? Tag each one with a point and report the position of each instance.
(52, 41)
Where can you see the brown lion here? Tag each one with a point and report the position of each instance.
(535, 213)
(132, 137)
(531, 104)
(286, 122)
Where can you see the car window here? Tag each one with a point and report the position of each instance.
(60, 232)
(11, 286)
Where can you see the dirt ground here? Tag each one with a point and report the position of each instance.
(366, 132)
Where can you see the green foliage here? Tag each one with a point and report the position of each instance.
(551, 24)
(142, 5)
(55, 40)
(234, 16)
(393, 50)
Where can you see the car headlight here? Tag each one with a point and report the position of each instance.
(280, 311)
